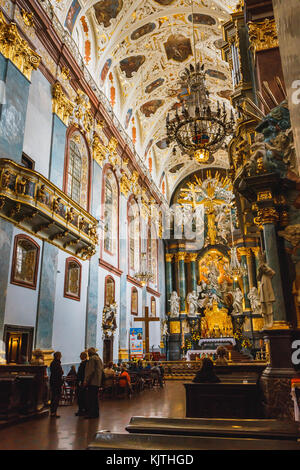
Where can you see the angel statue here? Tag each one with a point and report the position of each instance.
(253, 296)
(174, 304)
(237, 301)
(192, 300)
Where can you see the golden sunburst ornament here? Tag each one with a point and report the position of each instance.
(201, 155)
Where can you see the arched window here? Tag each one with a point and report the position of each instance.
(72, 279)
(109, 294)
(133, 236)
(110, 213)
(134, 301)
(25, 262)
(77, 172)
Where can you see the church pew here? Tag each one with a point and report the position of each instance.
(157, 442)
(223, 400)
(248, 428)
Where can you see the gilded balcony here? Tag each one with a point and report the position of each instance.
(31, 202)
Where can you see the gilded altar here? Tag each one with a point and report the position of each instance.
(216, 322)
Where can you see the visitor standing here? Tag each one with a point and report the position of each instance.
(56, 381)
(92, 381)
(81, 390)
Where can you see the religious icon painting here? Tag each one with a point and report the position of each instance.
(106, 10)
(134, 301)
(178, 48)
(25, 262)
(216, 74)
(151, 107)
(109, 294)
(131, 64)
(152, 86)
(162, 144)
(197, 18)
(153, 307)
(72, 279)
(146, 29)
(72, 15)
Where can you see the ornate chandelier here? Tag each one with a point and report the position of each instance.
(198, 130)
(144, 275)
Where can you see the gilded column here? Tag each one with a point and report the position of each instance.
(169, 280)
(192, 259)
(180, 257)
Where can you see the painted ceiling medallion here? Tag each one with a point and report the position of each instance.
(178, 48)
(225, 94)
(132, 64)
(202, 19)
(151, 107)
(164, 2)
(106, 10)
(216, 74)
(153, 85)
(162, 144)
(146, 29)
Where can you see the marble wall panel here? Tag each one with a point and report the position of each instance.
(6, 232)
(38, 127)
(13, 113)
(57, 158)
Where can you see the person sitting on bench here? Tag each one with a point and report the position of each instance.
(206, 373)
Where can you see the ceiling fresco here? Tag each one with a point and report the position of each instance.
(142, 46)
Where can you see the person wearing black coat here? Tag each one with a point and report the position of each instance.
(206, 373)
(81, 390)
(56, 381)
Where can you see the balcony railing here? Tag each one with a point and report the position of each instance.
(31, 202)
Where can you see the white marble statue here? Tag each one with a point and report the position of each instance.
(109, 323)
(237, 301)
(266, 293)
(253, 297)
(192, 300)
(174, 304)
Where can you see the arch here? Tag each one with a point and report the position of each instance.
(110, 211)
(109, 290)
(77, 170)
(25, 262)
(72, 284)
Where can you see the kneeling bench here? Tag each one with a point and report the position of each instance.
(157, 442)
(247, 428)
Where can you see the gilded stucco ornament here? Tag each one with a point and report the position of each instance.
(16, 49)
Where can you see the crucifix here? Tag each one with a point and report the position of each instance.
(146, 319)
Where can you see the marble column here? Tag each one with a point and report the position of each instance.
(123, 353)
(14, 93)
(169, 281)
(245, 279)
(49, 262)
(92, 304)
(193, 271)
(272, 259)
(287, 14)
(182, 281)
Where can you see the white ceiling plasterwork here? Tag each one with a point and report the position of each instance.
(146, 44)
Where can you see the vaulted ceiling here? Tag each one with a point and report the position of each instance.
(135, 50)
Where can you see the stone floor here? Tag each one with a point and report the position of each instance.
(73, 433)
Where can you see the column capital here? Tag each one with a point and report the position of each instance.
(192, 256)
(169, 257)
(16, 49)
(180, 256)
(266, 215)
(243, 251)
(256, 250)
(61, 105)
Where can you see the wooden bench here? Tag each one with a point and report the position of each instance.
(157, 442)
(248, 428)
(232, 399)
